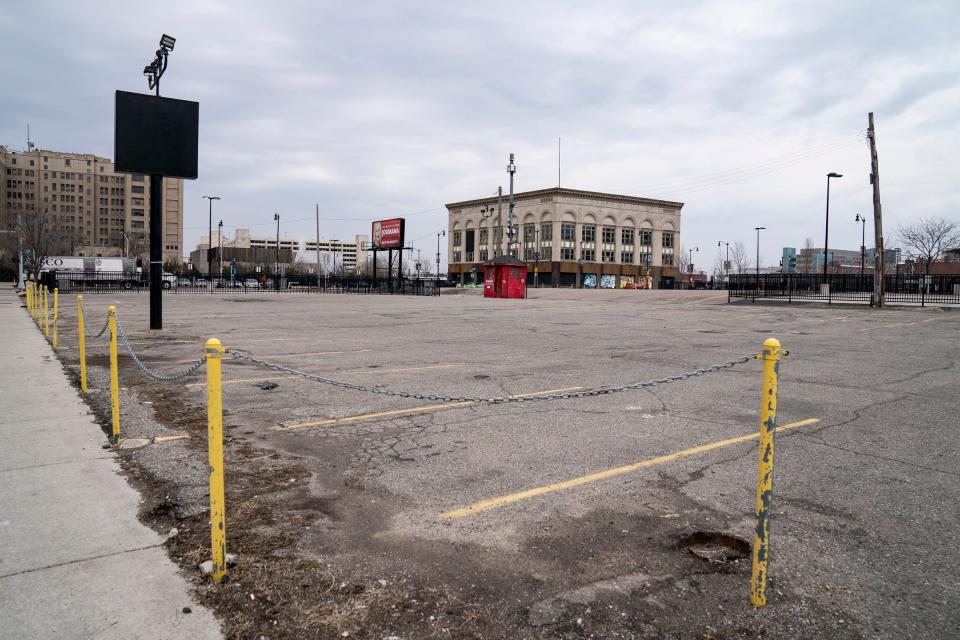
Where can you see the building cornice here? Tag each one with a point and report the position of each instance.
(573, 193)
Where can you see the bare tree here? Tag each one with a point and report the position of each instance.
(426, 265)
(928, 238)
(683, 260)
(718, 271)
(38, 237)
(738, 256)
(808, 251)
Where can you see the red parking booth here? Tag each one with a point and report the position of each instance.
(504, 277)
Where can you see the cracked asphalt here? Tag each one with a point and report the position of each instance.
(865, 517)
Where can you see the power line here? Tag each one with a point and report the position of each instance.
(750, 170)
(747, 175)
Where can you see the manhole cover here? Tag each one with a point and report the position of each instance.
(714, 547)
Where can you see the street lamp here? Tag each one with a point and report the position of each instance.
(276, 269)
(220, 246)
(511, 169)
(210, 234)
(443, 232)
(826, 233)
(863, 243)
(690, 261)
(726, 263)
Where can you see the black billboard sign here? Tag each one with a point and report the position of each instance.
(155, 136)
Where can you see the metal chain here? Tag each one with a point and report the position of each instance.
(106, 323)
(153, 374)
(495, 400)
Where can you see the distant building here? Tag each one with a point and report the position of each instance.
(788, 262)
(568, 237)
(335, 255)
(840, 260)
(92, 210)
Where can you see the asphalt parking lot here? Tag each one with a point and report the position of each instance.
(560, 518)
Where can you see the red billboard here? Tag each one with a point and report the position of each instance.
(388, 234)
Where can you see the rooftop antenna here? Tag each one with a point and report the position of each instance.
(30, 145)
(558, 162)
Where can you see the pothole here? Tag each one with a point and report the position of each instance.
(718, 548)
(481, 376)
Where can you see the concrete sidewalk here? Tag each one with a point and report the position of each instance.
(74, 560)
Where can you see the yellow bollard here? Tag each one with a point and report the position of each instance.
(218, 520)
(768, 425)
(36, 303)
(26, 289)
(81, 332)
(114, 378)
(46, 313)
(56, 312)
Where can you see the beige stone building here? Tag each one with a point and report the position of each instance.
(568, 236)
(92, 210)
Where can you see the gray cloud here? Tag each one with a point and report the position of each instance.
(385, 108)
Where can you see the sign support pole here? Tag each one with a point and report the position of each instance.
(156, 251)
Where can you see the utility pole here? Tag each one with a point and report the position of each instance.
(499, 251)
(511, 169)
(318, 245)
(879, 263)
(210, 200)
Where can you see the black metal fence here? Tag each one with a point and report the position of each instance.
(253, 283)
(907, 288)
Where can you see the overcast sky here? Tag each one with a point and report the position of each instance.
(382, 109)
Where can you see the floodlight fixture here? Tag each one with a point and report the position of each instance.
(155, 69)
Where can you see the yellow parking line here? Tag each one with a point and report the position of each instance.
(314, 353)
(493, 503)
(899, 324)
(705, 299)
(292, 355)
(425, 408)
(815, 321)
(427, 367)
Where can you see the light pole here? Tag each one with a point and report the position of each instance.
(220, 246)
(276, 269)
(210, 199)
(443, 232)
(758, 230)
(863, 242)
(511, 169)
(536, 256)
(826, 233)
(726, 263)
(690, 266)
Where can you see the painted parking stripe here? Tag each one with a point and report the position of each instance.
(396, 413)
(493, 503)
